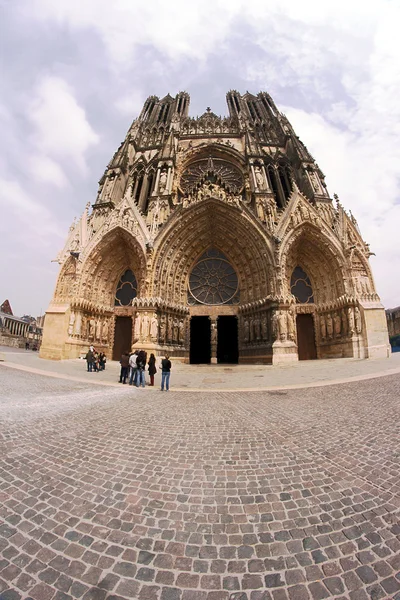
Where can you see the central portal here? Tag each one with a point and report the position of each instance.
(227, 345)
(200, 340)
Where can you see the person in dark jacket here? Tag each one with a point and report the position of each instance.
(141, 365)
(166, 372)
(102, 361)
(124, 367)
(152, 368)
(89, 360)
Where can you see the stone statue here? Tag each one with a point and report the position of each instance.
(260, 183)
(71, 323)
(344, 321)
(350, 320)
(246, 330)
(104, 331)
(304, 211)
(181, 332)
(92, 326)
(329, 325)
(175, 330)
(170, 335)
(163, 181)
(337, 324)
(282, 325)
(163, 328)
(264, 328)
(137, 327)
(275, 326)
(84, 327)
(358, 321)
(214, 333)
(291, 326)
(322, 326)
(98, 330)
(78, 323)
(145, 326)
(154, 327)
(251, 323)
(260, 209)
(314, 181)
(257, 331)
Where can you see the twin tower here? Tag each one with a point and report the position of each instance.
(214, 239)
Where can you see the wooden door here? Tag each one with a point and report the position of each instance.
(306, 337)
(122, 336)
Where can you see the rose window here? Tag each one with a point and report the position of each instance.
(212, 170)
(213, 280)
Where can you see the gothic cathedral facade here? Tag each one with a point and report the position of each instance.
(214, 239)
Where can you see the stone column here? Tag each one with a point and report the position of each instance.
(157, 180)
(254, 176)
(167, 187)
(214, 340)
(268, 189)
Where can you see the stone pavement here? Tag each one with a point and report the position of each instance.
(111, 493)
(216, 377)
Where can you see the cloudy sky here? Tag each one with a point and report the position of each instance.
(75, 73)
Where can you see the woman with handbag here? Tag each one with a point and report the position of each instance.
(152, 368)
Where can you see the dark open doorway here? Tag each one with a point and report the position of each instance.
(200, 340)
(227, 347)
(306, 337)
(122, 336)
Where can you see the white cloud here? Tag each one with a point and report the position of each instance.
(175, 29)
(46, 170)
(61, 127)
(334, 64)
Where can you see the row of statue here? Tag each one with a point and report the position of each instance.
(256, 328)
(166, 329)
(339, 323)
(87, 327)
(266, 211)
(211, 190)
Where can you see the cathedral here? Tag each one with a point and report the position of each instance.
(214, 239)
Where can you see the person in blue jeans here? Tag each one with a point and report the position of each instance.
(141, 364)
(165, 372)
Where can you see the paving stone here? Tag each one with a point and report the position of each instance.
(219, 512)
(318, 591)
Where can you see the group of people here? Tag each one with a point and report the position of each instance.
(133, 366)
(96, 361)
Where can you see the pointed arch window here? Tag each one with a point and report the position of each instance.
(213, 280)
(300, 287)
(126, 289)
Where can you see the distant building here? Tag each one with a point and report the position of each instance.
(19, 332)
(214, 239)
(393, 321)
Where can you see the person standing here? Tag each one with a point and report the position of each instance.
(95, 361)
(141, 365)
(152, 368)
(133, 367)
(165, 373)
(124, 362)
(89, 360)
(102, 361)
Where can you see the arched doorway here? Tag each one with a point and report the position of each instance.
(213, 287)
(301, 288)
(306, 347)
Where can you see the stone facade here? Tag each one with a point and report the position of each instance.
(215, 239)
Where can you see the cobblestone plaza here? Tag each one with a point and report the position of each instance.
(117, 493)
